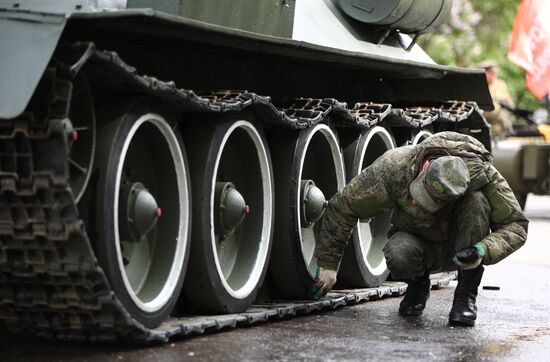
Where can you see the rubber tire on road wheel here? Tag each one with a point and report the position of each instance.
(356, 269)
(293, 161)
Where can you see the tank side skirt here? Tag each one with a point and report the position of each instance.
(50, 282)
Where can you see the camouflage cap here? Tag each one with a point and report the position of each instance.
(445, 179)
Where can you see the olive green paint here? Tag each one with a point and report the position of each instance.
(508, 162)
(535, 161)
(269, 17)
(409, 16)
(166, 6)
(525, 166)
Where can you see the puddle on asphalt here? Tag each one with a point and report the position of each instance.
(516, 341)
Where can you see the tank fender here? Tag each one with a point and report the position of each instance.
(28, 42)
(29, 33)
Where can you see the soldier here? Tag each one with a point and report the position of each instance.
(499, 118)
(446, 196)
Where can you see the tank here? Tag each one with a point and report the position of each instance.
(164, 158)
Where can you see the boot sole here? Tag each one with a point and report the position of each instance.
(410, 313)
(461, 321)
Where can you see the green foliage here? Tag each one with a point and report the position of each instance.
(478, 30)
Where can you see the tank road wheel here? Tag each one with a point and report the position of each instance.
(308, 170)
(363, 264)
(233, 212)
(420, 136)
(81, 130)
(143, 204)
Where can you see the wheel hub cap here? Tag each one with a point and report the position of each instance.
(140, 212)
(313, 203)
(231, 208)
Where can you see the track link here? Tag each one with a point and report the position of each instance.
(50, 282)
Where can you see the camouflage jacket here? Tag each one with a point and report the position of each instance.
(385, 185)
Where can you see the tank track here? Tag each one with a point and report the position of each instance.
(108, 71)
(51, 284)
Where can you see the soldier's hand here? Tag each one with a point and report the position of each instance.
(324, 281)
(474, 262)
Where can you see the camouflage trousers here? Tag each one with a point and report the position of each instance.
(408, 256)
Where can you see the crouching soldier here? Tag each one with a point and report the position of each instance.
(446, 196)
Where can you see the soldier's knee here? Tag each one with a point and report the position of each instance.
(472, 220)
(404, 256)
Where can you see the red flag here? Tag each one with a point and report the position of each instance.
(530, 44)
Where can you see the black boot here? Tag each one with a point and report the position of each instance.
(418, 292)
(464, 310)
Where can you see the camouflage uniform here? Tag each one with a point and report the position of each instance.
(421, 241)
(500, 119)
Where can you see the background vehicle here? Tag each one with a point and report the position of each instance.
(150, 146)
(523, 158)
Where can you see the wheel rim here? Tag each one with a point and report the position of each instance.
(371, 235)
(241, 236)
(420, 137)
(320, 144)
(151, 266)
(81, 131)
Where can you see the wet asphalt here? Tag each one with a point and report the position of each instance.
(513, 325)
